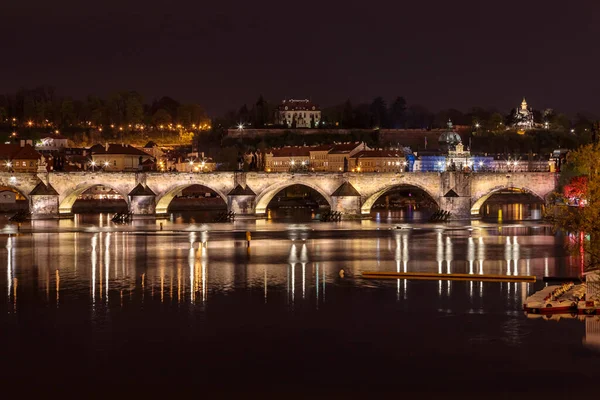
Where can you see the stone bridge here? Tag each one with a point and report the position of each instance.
(249, 193)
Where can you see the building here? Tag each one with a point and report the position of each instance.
(288, 158)
(19, 157)
(523, 118)
(378, 161)
(449, 139)
(117, 157)
(336, 158)
(52, 142)
(153, 150)
(313, 158)
(298, 114)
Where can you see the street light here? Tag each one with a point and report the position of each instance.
(93, 164)
(106, 164)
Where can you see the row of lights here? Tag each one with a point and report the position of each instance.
(139, 126)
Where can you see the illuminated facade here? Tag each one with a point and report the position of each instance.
(523, 118)
(298, 114)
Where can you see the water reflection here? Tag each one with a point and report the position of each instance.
(187, 267)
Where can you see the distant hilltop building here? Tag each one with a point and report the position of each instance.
(298, 114)
(523, 118)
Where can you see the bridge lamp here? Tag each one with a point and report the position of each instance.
(515, 163)
(293, 162)
(477, 125)
(8, 164)
(241, 126)
(303, 163)
(106, 163)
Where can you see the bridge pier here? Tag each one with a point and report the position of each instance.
(346, 200)
(43, 202)
(459, 207)
(142, 202)
(242, 201)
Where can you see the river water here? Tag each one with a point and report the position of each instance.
(91, 308)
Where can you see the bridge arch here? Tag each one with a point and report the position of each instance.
(370, 201)
(66, 205)
(162, 202)
(477, 204)
(265, 197)
(18, 192)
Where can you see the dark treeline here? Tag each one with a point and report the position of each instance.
(42, 106)
(398, 114)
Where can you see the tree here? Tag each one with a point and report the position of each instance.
(261, 113)
(419, 117)
(67, 112)
(582, 222)
(398, 113)
(184, 116)
(495, 123)
(347, 115)
(134, 108)
(560, 122)
(576, 190)
(161, 117)
(379, 113)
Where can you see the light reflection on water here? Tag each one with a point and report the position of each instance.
(116, 274)
(110, 263)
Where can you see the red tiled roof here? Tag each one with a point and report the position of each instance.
(117, 149)
(291, 152)
(343, 148)
(16, 152)
(323, 147)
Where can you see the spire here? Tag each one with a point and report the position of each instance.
(524, 104)
(449, 124)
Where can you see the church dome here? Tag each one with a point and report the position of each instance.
(449, 139)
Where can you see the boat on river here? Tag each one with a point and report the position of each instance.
(556, 299)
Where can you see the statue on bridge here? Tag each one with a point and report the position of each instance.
(240, 161)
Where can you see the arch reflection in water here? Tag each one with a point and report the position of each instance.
(292, 259)
(9, 267)
(444, 253)
(106, 264)
(94, 264)
(401, 256)
(512, 254)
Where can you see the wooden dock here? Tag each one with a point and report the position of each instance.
(447, 277)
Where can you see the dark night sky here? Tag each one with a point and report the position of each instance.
(223, 53)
